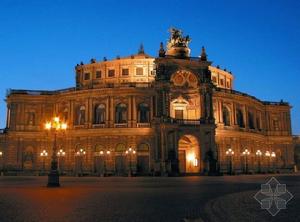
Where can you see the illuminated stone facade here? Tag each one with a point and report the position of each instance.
(179, 113)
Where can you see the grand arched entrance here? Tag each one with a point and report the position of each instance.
(189, 154)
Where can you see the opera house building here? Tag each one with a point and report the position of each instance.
(167, 115)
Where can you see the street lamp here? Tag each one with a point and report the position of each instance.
(54, 126)
(44, 155)
(268, 156)
(60, 154)
(259, 154)
(130, 152)
(80, 154)
(2, 165)
(273, 155)
(105, 154)
(246, 153)
(230, 154)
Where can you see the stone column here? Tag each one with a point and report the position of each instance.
(112, 112)
(134, 119)
(245, 111)
(220, 110)
(90, 113)
(107, 112)
(129, 113)
(71, 105)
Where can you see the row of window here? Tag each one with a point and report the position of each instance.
(139, 71)
(121, 114)
(240, 119)
(222, 82)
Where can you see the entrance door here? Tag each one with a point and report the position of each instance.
(182, 164)
(143, 165)
(189, 154)
(120, 165)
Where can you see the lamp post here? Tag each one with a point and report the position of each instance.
(60, 154)
(2, 163)
(246, 153)
(230, 154)
(44, 155)
(268, 156)
(80, 154)
(54, 126)
(259, 154)
(130, 152)
(105, 155)
(273, 155)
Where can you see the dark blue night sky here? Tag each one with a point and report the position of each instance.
(258, 40)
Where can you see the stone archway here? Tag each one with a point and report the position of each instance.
(189, 154)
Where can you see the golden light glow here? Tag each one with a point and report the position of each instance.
(44, 153)
(273, 154)
(267, 153)
(55, 124)
(229, 152)
(191, 157)
(107, 152)
(101, 152)
(64, 126)
(258, 153)
(246, 152)
(195, 162)
(1, 153)
(48, 125)
(61, 152)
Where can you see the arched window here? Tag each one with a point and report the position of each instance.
(80, 115)
(120, 147)
(98, 148)
(143, 113)
(31, 119)
(121, 113)
(65, 114)
(143, 147)
(99, 114)
(240, 118)
(258, 123)
(250, 120)
(226, 116)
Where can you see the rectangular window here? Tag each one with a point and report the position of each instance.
(214, 79)
(125, 72)
(98, 74)
(178, 114)
(86, 76)
(111, 73)
(139, 71)
(221, 82)
(276, 124)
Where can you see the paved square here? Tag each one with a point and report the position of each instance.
(228, 198)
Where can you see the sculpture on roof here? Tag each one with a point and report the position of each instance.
(178, 44)
(177, 39)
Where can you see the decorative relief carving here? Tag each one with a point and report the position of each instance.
(181, 78)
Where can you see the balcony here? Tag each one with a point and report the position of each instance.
(185, 122)
(120, 125)
(143, 125)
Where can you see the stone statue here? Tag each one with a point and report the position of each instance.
(178, 44)
(177, 39)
